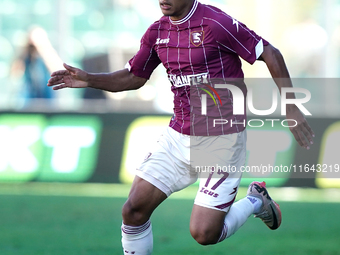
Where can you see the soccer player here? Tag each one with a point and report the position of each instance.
(195, 43)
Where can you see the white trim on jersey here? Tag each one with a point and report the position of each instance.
(230, 33)
(259, 49)
(128, 66)
(234, 21)
(186, 18)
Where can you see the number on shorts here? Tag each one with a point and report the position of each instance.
(219, 182)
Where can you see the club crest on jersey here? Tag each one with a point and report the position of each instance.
(197, 38)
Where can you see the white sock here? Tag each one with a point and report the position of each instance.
(257, 203)
(137, 240)
(238, 214)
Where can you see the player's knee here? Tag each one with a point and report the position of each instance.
(133, 215)
(204, 236)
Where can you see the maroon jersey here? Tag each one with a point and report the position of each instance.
(203, 46)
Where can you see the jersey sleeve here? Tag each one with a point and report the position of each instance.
(146, 59)
(238, 38)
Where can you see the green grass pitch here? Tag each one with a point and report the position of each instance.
(36, 221)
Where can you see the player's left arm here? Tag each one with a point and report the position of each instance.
(274, 60)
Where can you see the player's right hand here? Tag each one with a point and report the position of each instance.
(70, 78)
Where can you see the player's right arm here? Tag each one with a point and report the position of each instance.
(138, 71)
(72, 77)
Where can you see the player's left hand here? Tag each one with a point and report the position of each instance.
(302, 132)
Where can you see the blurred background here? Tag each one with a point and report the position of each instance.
(108, 134)
(67, 158)
(101, 36)
(37, 36)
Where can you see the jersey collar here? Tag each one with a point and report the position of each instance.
(186, 18)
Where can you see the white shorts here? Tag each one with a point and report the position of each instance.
(178, 160)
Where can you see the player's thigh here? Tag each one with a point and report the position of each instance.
(213, 201)
(142, 201)
(219, 182)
